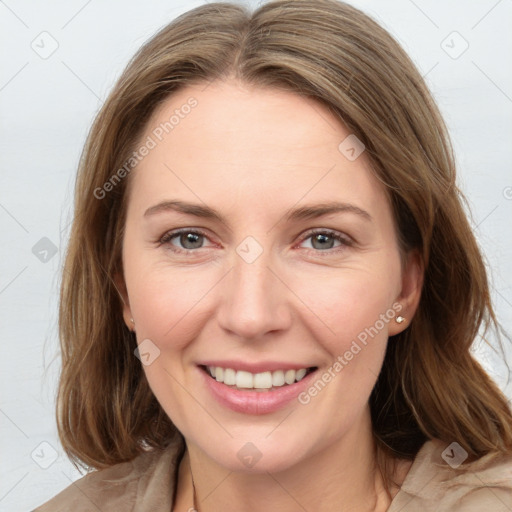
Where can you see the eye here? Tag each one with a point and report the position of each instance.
(188, 240)
(323, 240)
(184, 240)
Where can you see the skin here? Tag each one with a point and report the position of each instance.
(252, 154)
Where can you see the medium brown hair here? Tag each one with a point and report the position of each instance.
(430, 385)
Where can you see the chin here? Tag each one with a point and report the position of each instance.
(258, 455)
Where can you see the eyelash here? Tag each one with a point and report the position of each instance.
(344, 240)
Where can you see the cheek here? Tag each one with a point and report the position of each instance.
(348, 305)
(357, 308)
(170, 304)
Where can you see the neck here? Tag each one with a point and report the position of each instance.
(341, 478)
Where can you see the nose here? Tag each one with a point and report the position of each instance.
(254, 302)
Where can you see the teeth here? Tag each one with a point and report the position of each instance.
(244, 380)
(278, 378)
(229, 377)
(299, 374)
(264, 380)
(289, 376)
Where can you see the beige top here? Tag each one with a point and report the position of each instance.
(147, 484)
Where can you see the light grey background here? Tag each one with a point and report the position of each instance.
(47, 105)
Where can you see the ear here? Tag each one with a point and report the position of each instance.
(123, 294)
(410, 294)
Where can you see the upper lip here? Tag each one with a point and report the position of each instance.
(259, 367)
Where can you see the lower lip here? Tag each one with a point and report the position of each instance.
(255, 402)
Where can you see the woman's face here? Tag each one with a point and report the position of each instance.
(256, 244)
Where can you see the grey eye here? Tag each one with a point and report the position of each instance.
(322, 241)
(190, 240)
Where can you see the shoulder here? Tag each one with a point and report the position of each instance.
(439, 480)
(145, 483)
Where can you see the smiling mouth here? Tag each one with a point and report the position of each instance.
(259, 382)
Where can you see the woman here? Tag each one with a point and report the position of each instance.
(271, 286)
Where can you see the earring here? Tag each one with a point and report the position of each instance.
(399, 319)
(133, 321)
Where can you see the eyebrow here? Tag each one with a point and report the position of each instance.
(303, 213)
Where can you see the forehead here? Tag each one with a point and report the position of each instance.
(227, 141)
